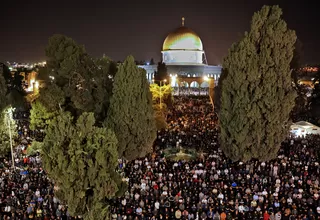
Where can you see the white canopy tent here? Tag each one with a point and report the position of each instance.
(303, 128)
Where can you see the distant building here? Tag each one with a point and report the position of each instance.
(306, 76)
(185, 58)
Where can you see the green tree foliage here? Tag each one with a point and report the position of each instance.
(152, 62)
(160, 116)
(16, 83)
(130, 114)
(257, 95)
(301, 101)
(79, 154)
(82, 158)
(17, 99)
(34, 148)
(217, 92)
(52, 97)
(43, 74)
(77, 83)
(13, 81)
(40, 117)
(5, 119)
(6, 73)
(106, 70)
(165, 92)
(161, 73)
(160, 112)
(80, 82)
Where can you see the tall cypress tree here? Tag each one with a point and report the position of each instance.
(82, 159)
(79, 154)
(130, 113)
(161, 73)
(257, 94)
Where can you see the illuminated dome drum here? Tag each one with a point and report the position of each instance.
(182, 47)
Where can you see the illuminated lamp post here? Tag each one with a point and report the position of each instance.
(174, 81)
(207, 79)
(9, 119)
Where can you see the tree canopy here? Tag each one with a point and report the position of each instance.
(78, 82)
(40, 116)
(82, 159)
(17, 99)
(160, 112)
(164, 92)
(79, 153)
(130, 114)
(13, 81)
(6, 73)
(257, 95)
(161, 73)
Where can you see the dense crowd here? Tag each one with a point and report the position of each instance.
(210, 187)
(193, 91)
(213, 187)
(26, 192)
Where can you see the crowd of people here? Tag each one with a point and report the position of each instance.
(213, 187)
(191, 91)
(25, 190)
(209, 187)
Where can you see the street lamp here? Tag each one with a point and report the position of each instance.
(174, 81)
(9, 119)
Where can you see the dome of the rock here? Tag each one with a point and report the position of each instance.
(182, 38)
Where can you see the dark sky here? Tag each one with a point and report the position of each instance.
(120, 27)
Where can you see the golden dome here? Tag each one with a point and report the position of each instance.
(182, 38)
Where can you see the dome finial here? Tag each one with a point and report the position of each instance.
(183, 21)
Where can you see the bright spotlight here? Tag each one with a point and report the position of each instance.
(173, 80)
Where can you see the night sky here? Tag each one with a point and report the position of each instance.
(119, 28)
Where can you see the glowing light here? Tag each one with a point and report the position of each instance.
(206, 78)
(30, 88)
(36, 85)
(173, 81)
(182, 38)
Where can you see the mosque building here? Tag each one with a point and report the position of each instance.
(185, 58)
